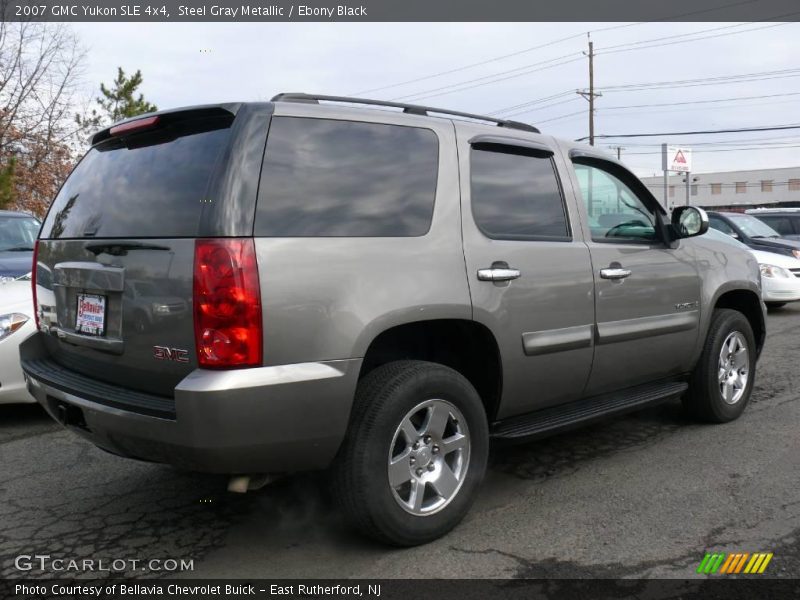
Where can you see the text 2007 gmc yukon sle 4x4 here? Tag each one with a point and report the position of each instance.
(373, 291)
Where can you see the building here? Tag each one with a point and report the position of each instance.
(733, 190)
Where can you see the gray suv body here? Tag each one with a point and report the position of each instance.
(373, 291)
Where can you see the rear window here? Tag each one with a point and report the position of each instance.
(153, 185)
(332, 178)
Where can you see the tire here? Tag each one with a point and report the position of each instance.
(773, 305)
(410, 393)
(706, 398)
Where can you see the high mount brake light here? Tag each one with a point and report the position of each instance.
(227, 303)
(132, 126)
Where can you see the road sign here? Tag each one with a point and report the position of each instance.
(676, 159)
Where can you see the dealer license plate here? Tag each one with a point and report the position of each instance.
(91, 317)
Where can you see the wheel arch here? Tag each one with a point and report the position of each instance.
(461, 344)
(748, 302)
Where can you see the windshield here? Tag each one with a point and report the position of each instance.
(752, 227)
(18, 233)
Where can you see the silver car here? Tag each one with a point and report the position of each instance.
(374, 292)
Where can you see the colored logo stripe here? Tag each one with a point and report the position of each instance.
(735, 562)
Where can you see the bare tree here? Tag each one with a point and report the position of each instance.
(40, 73)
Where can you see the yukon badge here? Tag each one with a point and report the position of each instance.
(174, 354)
(686, 305)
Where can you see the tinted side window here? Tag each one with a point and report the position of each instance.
(782, 225)
(341, 178)
(516, 196)
(720, 225)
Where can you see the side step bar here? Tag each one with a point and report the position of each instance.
(575, 414)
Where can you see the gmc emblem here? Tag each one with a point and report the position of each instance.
(174, 354)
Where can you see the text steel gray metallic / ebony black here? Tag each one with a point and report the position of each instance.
(272, 287)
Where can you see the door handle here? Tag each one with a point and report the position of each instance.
(498, 274)
(614, 273)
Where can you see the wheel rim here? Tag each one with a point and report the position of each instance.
(734, 367)
(429, 457)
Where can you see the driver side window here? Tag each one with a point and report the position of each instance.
(615, 212)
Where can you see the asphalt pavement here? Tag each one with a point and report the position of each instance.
(643, 496)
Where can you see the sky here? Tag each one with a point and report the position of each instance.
(197, 63)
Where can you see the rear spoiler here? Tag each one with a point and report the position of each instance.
(172, 115)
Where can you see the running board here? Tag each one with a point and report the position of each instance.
(575, 414)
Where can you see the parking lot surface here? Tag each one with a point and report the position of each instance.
(643, 496)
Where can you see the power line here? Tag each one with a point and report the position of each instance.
(646, 44)
(707, 101)
(747, 148)
(471, 66)
(680, 83)
(521, 71)
(551, 43)
(580, 112)
(446, 89)
(706, 132)
(691, 143)
(718, 80)
(681, 106)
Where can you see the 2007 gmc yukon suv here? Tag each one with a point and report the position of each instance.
(378, 292)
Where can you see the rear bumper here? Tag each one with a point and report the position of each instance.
(265, 420)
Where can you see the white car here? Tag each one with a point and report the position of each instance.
(16, 324)
(780, 274)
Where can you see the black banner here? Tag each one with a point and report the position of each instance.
(406, 589)
(402, 10)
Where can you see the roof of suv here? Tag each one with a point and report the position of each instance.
(414, 109)
(16, 214)
(318, 99)
(773, 211)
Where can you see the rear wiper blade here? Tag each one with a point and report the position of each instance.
(121, 248)
(18, 249)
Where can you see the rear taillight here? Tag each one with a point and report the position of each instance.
(33, 282)
(227, 304)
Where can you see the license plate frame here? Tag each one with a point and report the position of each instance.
(90, 314)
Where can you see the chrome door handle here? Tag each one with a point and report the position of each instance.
(615, 273)
(498, 274)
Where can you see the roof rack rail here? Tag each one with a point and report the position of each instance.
(413, 109)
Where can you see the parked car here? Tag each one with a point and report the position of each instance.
(18, 233)
(786, 221)
(16, 323)
(753, 233)
(377, 292)
(780, 274)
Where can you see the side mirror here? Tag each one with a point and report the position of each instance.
(689, 221)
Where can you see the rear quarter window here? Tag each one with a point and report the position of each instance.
(331, 178)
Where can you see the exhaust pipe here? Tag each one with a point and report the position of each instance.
(241, 484)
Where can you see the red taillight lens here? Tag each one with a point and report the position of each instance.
(33, 283)
(227, 304)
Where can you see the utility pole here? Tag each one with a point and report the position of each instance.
(590, 95)
(619, 150)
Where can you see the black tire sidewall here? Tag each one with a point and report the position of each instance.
(726, 322)
(428, 381)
